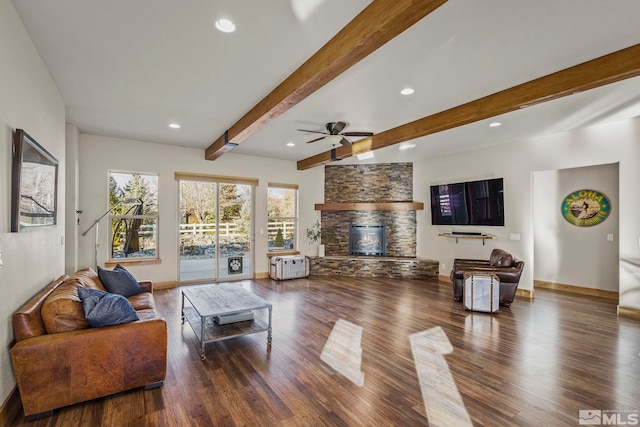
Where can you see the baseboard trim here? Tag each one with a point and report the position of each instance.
(629, 312)
(525, 293)
(261, 275)
(577, 289)
(11, 407)
(165, 285)
(445, 279)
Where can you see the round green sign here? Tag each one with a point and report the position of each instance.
(585, 208)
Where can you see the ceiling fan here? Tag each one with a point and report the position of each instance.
(335, 135)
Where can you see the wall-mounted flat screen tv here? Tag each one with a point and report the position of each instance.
(468, 203)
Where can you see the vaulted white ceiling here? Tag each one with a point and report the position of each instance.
(127, 69)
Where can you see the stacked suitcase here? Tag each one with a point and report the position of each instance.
(481, 292)
(289, 267)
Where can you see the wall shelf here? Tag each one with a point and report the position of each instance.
(468, 236)
(389, 206)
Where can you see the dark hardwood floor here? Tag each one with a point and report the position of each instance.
(536, 363)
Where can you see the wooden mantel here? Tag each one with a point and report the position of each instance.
(389, 206)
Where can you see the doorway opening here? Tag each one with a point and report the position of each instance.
(582, 258)
(215, 238)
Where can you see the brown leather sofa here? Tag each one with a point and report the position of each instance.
(502, 263)
(59, 360)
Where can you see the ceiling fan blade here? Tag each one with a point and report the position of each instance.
(314, 140)
(337, 128)
(345, 142)
(312, 131)
(357, 133)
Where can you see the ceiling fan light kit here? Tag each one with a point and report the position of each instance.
(333, 139)
(334, 134)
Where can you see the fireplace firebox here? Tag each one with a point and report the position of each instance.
(367, 239)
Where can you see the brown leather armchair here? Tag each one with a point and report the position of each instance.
(501, 263)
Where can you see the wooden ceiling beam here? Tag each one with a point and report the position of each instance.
(378, 23)
(611, 68)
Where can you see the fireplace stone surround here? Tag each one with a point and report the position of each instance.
(377, 183)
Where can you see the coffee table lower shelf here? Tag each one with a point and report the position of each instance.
(214, 332)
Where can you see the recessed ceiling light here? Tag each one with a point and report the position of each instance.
(365, 156)
(407, 91)
(290, 144)
(406, 146)
(174, 125)
(495, 124)
(225, 25)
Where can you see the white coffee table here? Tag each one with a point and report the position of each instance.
(202, 304)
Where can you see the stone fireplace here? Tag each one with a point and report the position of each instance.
(390, 183)
(372, 217)
(367, 239)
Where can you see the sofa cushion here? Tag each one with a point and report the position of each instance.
(505, 259)
(89, 278)
(104, 308)
(147, 314)
(495, 256)
(119, 281)
(142, 301)
(62, 310)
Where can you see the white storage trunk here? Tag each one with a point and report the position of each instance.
(481, 292)
(289, 267)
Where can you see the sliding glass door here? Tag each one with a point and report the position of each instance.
(215, 231)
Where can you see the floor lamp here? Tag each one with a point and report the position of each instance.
(134, 202)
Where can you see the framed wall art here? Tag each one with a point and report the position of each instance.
(34, 184)
(585, 208)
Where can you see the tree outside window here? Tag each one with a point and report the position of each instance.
(198, 206)
(133, 198)
(282, 210)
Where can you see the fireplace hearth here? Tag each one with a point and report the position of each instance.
(367, 239)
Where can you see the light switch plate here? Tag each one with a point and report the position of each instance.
(514, 236)
(610, 237)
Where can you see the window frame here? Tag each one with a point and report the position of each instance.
(295, 219)
(155, 217)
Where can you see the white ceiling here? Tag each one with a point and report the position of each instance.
(128, 68)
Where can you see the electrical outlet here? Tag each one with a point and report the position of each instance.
(442, 266)
(609, 237)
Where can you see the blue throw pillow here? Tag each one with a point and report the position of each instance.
(105, 309)
(119, 281)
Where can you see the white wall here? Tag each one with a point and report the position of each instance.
(100, 154)
(563, 252)
(71, 202)
(29, 100)
(617, 142)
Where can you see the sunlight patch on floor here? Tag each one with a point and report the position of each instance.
(343, 351)
(442, 401)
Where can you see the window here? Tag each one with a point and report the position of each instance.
(133, 199)
(282, 210)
